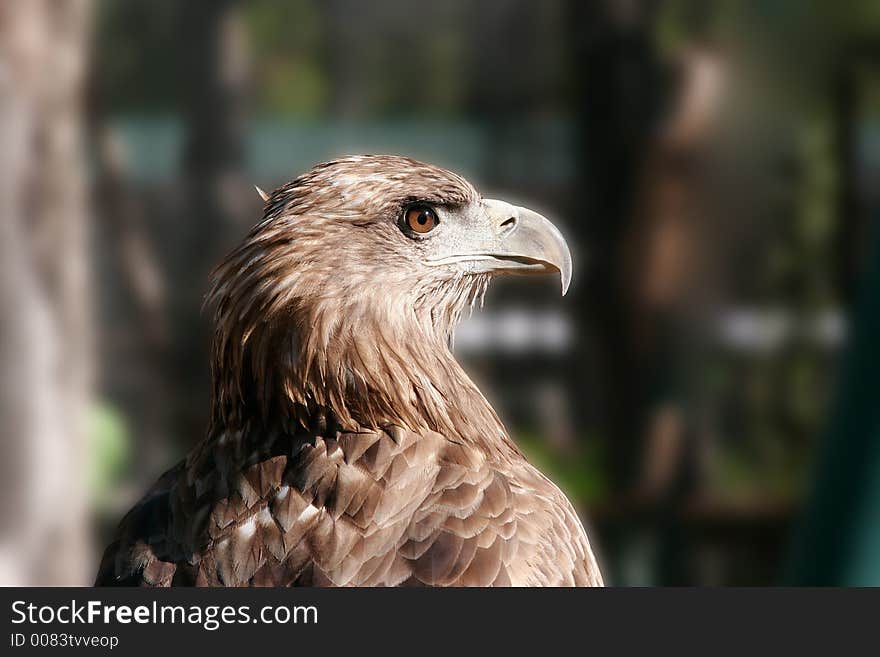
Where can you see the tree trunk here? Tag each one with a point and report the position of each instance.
(218, 202)
(45, 355)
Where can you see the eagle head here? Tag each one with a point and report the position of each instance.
(340, 304)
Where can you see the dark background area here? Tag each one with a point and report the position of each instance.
(705, 393)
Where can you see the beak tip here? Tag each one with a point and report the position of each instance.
(565, 271)
(535, 240)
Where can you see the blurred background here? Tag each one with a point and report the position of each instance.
(708, 393)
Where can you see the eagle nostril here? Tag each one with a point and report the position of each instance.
(508, 224)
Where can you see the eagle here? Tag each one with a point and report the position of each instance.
(346, 446)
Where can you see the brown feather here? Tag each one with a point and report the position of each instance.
(346, 446)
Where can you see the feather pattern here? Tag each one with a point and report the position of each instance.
(347, 447)
(358, 509)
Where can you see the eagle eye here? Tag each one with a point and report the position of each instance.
(420, 219)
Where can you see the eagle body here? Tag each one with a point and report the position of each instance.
(347, 447)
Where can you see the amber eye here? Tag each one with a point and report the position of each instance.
(421, 219)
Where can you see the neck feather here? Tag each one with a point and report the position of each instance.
(355, 361)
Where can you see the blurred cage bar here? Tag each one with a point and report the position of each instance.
(714, 165)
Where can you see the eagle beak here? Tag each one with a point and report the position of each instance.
(524, 242)
(506, 239)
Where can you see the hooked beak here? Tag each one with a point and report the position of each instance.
(516, 241)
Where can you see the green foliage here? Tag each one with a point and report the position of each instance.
(287, 41)
(109, 447)
(578, 472)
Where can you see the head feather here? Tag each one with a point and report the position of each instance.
(311, 321)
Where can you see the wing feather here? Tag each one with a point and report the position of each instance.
(377, 508)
